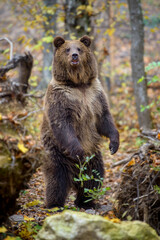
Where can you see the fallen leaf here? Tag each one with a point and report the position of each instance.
(33, 203)
(10, 238)
(131, 163)
(158, 136)
(3, 229)
(28, 218)
(115, 220)
(22, 148)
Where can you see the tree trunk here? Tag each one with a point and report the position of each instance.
(48, 47)
(137, 62)
(76, 24)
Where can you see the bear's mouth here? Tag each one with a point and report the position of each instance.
(74, 62)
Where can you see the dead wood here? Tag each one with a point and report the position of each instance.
(142, 153)
(151, 136)
(138, 194)
(18, 86)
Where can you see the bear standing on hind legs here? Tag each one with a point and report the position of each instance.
(76, 115)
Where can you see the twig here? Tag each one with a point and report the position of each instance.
(34, 96)
(30, 113)
(143, 196)
(145, 213)
(150, 133)
(153, 181)
(137, 202)
(123, 161)
(142, 152)
(150, 138)
(11, 46)
(5, 94)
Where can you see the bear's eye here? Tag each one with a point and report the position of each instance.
(78, 49)
(67, 50)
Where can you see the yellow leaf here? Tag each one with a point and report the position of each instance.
(9, 238)
(154, 29)
(47, 214)
(55, 209)
(25, 29)
(115, 220)
(89, 9)
(60, 18)
(0, 117)
(81, 7)
(3, 229)
(146, 17)
(96, 53)
(22, 148)
(89, 29)
(33, 203)
(28, 218)
(107, 218)
(78, 27)
(38, 18)
(158, 136)
(110, 31)
(72, 37)
(131, 163)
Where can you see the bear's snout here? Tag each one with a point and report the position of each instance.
(74, 56)
(75, 60)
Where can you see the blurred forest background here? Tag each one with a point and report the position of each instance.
(126, 43)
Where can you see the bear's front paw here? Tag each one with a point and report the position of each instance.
(113, 147)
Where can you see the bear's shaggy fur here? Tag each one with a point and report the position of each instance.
(76, 116)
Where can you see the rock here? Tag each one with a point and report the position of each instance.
(104, 209)
(71, 225)
(16, 218)
(91, 211)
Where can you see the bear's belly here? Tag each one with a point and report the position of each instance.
(86, 108)
(85, 128)
(89, 139)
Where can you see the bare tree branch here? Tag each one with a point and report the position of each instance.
(11, 46)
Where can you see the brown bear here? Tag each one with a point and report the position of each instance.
(76, 115)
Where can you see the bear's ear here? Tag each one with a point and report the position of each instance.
(58, 41)
(86, 40)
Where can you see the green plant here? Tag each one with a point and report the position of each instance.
(29, 230)
(151, 80)
(157, 188)
(82, 176)
(95, 193)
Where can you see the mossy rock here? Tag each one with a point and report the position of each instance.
(71, 225)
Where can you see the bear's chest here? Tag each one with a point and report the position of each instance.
(86, 103)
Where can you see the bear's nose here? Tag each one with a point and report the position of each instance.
(74, 56)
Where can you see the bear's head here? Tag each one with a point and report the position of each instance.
(74, 62)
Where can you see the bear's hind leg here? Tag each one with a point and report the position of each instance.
(57, 178)
(96, 163)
